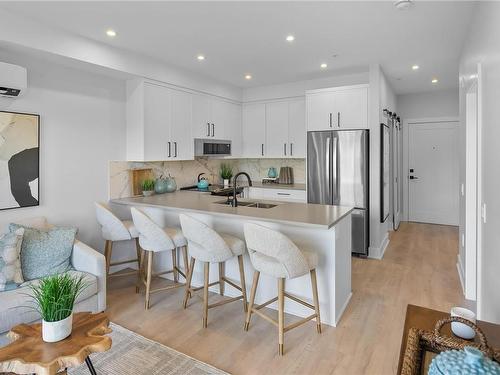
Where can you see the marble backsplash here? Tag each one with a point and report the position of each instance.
(186, 172)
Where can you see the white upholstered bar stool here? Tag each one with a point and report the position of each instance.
(113, 229)
(275, 255)
(208, 246)
(154, 239)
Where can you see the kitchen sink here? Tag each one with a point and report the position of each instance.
(248, 204)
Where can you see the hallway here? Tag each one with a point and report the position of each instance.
(418, 268)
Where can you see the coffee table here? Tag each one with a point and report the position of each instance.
(28, 353)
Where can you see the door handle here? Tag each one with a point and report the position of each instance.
(262, 149)
(413, 178)
(208, 129)
(169, 150)
(283, 194)
(291, 149)
(213, 130)
(175, 149)
(330, 120)
(284, 148)
(338, 119)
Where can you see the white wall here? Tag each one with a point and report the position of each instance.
(381, 96)
(82, 128)
(442, 103)
(483, 47)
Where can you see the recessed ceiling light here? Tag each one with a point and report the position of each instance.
(290, 38)
(248, 76)
(415, 67)
(111, 33)
(403, 4)
(323, 66)
(434, 80)
(200, 57)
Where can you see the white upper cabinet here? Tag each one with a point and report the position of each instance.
(254, 130)
(201, 126)
(180, 131)
(233, 128)
(277, 130)
(337, 108)
(219, 118)
(297, 135)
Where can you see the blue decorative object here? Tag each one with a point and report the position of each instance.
(470, 361)
(272, 173)
(171, 184)
(202, 184)
(161, 185)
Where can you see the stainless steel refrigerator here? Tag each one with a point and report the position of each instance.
(337, 174)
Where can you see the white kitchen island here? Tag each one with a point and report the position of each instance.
(320, 228)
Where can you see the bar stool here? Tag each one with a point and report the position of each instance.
(208, 246)
(154, 239)
(113, 229)
(275, 255)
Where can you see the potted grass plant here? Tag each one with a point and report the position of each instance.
(148, 187)
(54, 298)
(226, 173)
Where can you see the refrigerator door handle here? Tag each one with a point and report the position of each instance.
(335, 172)
(327, 163)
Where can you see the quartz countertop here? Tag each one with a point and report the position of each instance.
(260, 185)
(300, 214)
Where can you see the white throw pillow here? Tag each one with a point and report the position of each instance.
(10, 262)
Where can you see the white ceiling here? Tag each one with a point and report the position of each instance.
(249, 37)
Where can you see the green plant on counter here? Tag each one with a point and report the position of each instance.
(148, 185)
(226, 171)
(54, 296)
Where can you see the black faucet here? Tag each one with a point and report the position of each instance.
(235, 201)
(199, 176)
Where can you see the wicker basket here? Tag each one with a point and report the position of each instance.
(419, 341)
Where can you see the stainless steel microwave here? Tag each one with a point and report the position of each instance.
(212, 147)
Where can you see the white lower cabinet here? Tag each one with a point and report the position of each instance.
(277, 194)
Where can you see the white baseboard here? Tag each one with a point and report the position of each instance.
(461, 273)
(341, 312)
(378, 252)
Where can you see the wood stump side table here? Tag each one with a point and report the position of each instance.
(29, 354)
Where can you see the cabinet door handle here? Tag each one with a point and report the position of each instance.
(283, 194)
(213, 130)
(169, 150)
(330, 120)
(175, 149)
(262, 149)
(284, 148)
(208, 129)
(291, 149)
(338, 119)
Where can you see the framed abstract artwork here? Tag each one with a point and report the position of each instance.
(19, 160)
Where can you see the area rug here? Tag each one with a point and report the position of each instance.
(134, 354)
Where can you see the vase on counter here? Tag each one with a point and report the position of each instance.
(272, 172)
(171, 185)
(161, 185)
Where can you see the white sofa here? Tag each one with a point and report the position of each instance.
(14, 304)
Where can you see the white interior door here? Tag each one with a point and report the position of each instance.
(433, 173)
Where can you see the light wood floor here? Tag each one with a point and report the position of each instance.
(419, 267)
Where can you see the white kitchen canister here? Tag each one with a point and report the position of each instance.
(57, 331)
(460, 329)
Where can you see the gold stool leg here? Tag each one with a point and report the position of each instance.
(139, 265)
(256, 275)
(174, 265)
(186, 260)
(187, 294)
(206, 272)
(314, 285)
(107, 254)
(243, 284)
(138, 251)
(221, 275)
(148, 279)
(281, 314)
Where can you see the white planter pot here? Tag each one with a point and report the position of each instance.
(57, 331)
(226, 183)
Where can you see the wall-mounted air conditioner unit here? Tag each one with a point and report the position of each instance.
(13, 80)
